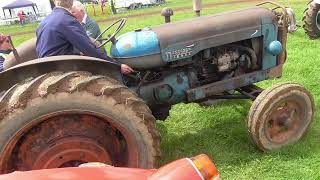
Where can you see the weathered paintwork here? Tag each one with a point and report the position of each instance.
(274, 48)
(186, 38)
(34, 68)
(270, 34)
(26, 52)
(136, 44)
(208, 90)
(188, 61)
(197, 168)
(170, 90)
(153, 48)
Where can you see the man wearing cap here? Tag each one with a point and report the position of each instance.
(60, 33)
(5, 48)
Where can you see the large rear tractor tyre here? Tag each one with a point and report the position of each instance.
(311, 20)
(280, 116)
(66, 119)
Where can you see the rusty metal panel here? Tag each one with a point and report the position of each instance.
(26, 52)
(232, 83)
(190, 36)
(64, 63)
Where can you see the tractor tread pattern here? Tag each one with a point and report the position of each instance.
(309, 20)
(263, 98)
(17, 98)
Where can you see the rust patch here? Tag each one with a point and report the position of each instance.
(65, 141)
(275, 72)
(179, 79)
(127, 46)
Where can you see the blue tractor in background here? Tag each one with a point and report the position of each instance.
(62, 111)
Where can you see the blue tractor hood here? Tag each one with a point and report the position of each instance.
(136, 44)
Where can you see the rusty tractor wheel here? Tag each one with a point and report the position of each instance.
(311, 20)
(66, 119)
(280, 116)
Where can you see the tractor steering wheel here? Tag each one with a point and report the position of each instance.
(121, 22)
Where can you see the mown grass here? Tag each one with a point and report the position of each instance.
(107, 13)
(220, 130)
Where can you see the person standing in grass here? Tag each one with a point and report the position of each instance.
(5, 49)
(22, 17)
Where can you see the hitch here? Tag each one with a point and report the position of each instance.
(167, 13)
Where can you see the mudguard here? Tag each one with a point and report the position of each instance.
(26, 52)
(34, 68)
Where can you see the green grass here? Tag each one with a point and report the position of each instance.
(220, 131)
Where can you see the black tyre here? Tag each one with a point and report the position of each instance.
(65, 119)
(311, 20)
(280, 116)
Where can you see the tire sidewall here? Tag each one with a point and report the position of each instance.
(258, 117)
(310, 17)
(39, 107)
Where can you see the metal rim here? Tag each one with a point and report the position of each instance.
(67, 139)
(318, 20)
(284, 121)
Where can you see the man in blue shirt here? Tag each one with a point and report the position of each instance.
(60, 33)
(5, 48)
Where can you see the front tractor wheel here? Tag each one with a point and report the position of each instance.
(280, 116)
(311, 20)
(66, 119)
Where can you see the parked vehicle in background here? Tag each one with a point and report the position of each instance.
(90, 1)
(135, 4)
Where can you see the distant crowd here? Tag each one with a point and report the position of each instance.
(25, 18)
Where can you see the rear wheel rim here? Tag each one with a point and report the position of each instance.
(46, 143)
(318, 20)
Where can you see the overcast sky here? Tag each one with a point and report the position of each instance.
(43, 5)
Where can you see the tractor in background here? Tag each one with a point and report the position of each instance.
(311, 19)
(63, 111)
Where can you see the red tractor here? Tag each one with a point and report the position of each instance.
(196, 168)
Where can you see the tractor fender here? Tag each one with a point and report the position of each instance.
(24, 52)
(65, 63)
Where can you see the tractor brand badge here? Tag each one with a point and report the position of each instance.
(180, 53)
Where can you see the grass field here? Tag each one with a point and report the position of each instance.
(220, 130)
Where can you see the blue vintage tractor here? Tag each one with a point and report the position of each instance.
(66, 110)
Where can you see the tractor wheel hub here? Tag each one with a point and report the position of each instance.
(71, 152)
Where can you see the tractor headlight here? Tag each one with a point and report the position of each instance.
(274, 48)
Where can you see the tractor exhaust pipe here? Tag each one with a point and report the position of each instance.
(197, 7)
(167, 13)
